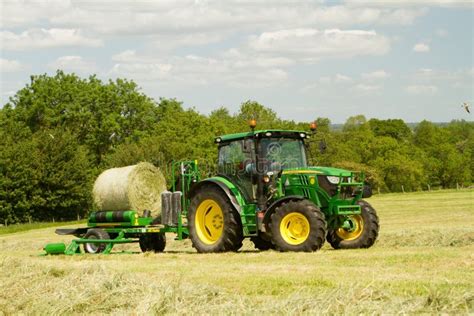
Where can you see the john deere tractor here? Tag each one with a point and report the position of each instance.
(263, 190)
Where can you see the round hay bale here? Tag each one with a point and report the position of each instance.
(136, 187)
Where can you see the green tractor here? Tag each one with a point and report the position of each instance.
(264, 190)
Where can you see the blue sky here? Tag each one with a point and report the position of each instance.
(304, 59)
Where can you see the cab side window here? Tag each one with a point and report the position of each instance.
(231, 157)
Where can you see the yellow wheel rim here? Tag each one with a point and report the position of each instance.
(357, 223)
(294, 228)
(209, 222)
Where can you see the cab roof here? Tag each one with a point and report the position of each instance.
(263, 132)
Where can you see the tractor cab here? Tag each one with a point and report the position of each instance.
(248, 159)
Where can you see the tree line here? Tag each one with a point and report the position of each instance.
(59, 132)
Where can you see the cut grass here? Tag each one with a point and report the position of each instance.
(16, 228)
(423, 262)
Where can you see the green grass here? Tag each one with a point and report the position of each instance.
(16, 228)
(423, 262)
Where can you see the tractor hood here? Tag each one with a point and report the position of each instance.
(327, 171)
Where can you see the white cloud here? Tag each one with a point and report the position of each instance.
(412, 3)
(30, 12)
(336, 79)
(327, 82)
(74, 64)
(128, 55)
(374, 75)
(150, 71)
(231, 68)
(208, 20)
(7, 65)
(244, 59)
(421, 48)
(367, 88)
(342, 78)
(310, 44)
(171, 41)
(460, 78)
(45, 38)
(208, 16)
(421, 89)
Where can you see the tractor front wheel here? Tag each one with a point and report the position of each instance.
(95, 233)
(152, 242)
(214, 224)
(298, 226)
(361, 231)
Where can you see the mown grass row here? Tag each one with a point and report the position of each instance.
(423, 263)
(16, 228)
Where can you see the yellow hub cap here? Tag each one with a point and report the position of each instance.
(357, 227)
(209, 221)
(294, 228)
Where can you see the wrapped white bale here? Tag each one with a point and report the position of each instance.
(136, 187)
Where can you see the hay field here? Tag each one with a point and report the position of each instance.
(422, 263)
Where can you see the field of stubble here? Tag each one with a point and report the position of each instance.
(423, 262)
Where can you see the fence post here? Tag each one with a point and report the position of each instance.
(6, 222)
(378, 189)
(429, 187)
(457, 186)
(403, 189)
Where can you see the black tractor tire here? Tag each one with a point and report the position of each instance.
(152, 242)
(227, 234)
(298, 214)
(261, 243)
(368, 235)
(95, 233)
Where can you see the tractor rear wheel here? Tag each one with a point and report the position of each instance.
(363, 231)
(298, 226)
(95, 233)
(214, 225)
(261, 243)
(152, 242)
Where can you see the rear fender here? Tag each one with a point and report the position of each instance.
(232, 192)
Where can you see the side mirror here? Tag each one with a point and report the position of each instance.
(322, 147)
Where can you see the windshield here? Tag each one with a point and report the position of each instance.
(282, 153)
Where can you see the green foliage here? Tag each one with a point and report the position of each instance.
(44, 177)
(99, 115)
(59, 132)
(392, 128)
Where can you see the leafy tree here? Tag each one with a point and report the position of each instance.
(100, 115)
(354, 123)
(266, 117)
(393, 128)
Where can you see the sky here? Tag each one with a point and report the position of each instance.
(304, 59)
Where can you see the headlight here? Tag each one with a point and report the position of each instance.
(333, 180)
